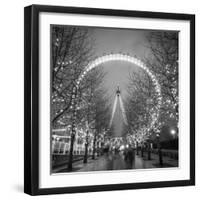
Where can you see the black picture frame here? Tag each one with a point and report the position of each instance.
(31, 98)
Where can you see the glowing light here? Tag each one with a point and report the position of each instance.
(121, 148)
(139, 63)
(173, 132)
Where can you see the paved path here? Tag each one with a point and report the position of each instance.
(113, 161)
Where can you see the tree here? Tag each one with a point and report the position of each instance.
(71, 52)
(93, 104)
(163, 61)
(101, 115)
(140, 104)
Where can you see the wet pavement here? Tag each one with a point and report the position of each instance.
(117, 161)
(107, 162)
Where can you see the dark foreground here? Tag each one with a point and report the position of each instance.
(116, 161)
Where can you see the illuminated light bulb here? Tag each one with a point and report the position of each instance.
(78, 82)
(144, 68)
(147, 70)
(111, 57)
(97, 62)
(87, 69)
(107, 58)
(129, 59)
(101, 60)
(123, 57)
(82, 76)
(139, 63)
(92, 66)
(153, 79)
(116, 56)
(84, 73)
(119, 57)
(104, 58)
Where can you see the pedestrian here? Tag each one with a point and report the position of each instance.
(125, 154)
(131, 156)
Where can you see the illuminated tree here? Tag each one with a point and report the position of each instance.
(141, 102)
(93, 108)
(163, 61)
(71, 51)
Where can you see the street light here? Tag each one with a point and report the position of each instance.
(173, 133)
(149, 148)
(159, 149)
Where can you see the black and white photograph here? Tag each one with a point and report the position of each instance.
(109, 99)
(114, 100)
(98, 100)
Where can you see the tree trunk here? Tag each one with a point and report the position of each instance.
(160, 153)
(137, 150)
(142, 151)
(160, 156)
(71, 153)
(86, 149)
(94, 147)
(149, 151)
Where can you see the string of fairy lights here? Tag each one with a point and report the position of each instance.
(144, 132)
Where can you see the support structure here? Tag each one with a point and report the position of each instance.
(118, 99)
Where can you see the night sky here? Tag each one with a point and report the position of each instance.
(132, 42)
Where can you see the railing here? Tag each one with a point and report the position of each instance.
(167, 152)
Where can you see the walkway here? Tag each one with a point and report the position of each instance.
(114, 161)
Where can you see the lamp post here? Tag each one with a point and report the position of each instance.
(149, 149)
(94, 145)
(137, 148)
(142, 149)
(86, 147)
(159, 149)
